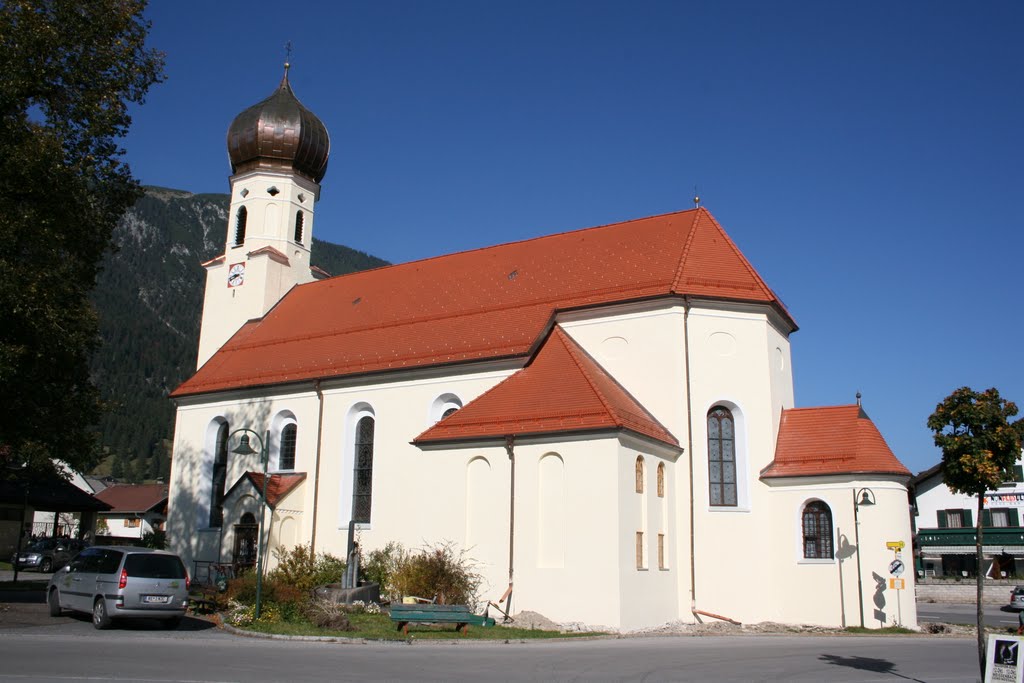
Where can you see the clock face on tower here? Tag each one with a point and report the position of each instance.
(236, 274)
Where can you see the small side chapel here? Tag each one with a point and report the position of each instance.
(603, 419)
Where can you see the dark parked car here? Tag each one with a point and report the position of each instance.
(47, 554)
(121, 582)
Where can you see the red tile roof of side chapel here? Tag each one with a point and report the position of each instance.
(562, 390)
(831, 440)
(492, 303)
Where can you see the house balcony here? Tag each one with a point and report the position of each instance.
(997, 540)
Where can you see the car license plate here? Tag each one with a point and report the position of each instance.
(156, 599)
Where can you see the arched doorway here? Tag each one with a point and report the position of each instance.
(244, 554)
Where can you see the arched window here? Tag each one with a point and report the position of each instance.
(220, 475)
(299, 220)
(286, 460)
(443, 406)
(661, 480)
(362, 479)
(721, 457)
(240, 221)
(639, 474)
(817, 527)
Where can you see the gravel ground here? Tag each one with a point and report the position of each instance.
(528, 619)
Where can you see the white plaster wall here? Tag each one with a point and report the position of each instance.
(649, 595)
(192, 464)
(117, 526)
(933, 495)
(730, 363)
(270, 223)
(825, 591)
(642, 348)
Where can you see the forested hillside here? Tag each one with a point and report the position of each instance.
(149, 299)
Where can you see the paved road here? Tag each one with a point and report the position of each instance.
(191, 656)
(996, 618)
(35, 647)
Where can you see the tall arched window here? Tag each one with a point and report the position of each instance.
(220, 475)
(240, 220)
(286, 460)
(362, 479)
(721, 457)
(661, 480)
(817, 527)
(639, 474)
(299, 220)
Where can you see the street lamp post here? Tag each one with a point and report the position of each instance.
(244, 448)
(867, 498)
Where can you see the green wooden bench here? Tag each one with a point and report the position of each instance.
(460, 615)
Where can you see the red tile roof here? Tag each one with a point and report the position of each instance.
(832, 440)
(488, 303)
(134, 497)
(278, 485)
(561, 390)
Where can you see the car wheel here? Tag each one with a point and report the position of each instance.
(100, 618)
(47, 566)
(171, 624)
(53, 601)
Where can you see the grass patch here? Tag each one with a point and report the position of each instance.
(380, 627)
(887, 631)
(6, 566)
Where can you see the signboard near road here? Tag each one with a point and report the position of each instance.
(898, 584)
(1005, 663)
(896, 567)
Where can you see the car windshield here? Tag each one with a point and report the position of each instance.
(46, 544)
(1019, 590)
(154, 566)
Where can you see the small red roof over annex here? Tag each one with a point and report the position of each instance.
(562, 390)
(485, 304)
(278, 485)
(831, 440)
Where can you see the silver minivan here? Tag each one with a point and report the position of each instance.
(121, 582)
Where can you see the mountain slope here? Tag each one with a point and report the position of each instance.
(149, 299)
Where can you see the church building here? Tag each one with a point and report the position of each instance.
(603, 419)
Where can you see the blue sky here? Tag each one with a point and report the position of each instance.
(866, 157)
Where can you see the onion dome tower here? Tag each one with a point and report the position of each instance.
(279, 134)
(278, 151)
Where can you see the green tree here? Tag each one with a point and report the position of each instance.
(980, 446)
(68, 71)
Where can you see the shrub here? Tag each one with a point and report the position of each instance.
(299, 568)
(243, 589)
(327, 614)
(154, 539)
(381, 565)
(440, 572)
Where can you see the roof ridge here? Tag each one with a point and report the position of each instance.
(743, 259)
(571, 347)
(686, 250)
(535, 238)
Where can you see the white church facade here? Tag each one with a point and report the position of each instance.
(603, 419)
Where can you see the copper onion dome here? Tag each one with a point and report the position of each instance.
(279, 133)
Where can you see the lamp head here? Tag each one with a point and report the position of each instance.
(243, 447)
(865, 498)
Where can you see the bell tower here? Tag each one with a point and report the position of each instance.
(278, 151)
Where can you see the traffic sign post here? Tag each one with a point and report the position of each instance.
(896, 568)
